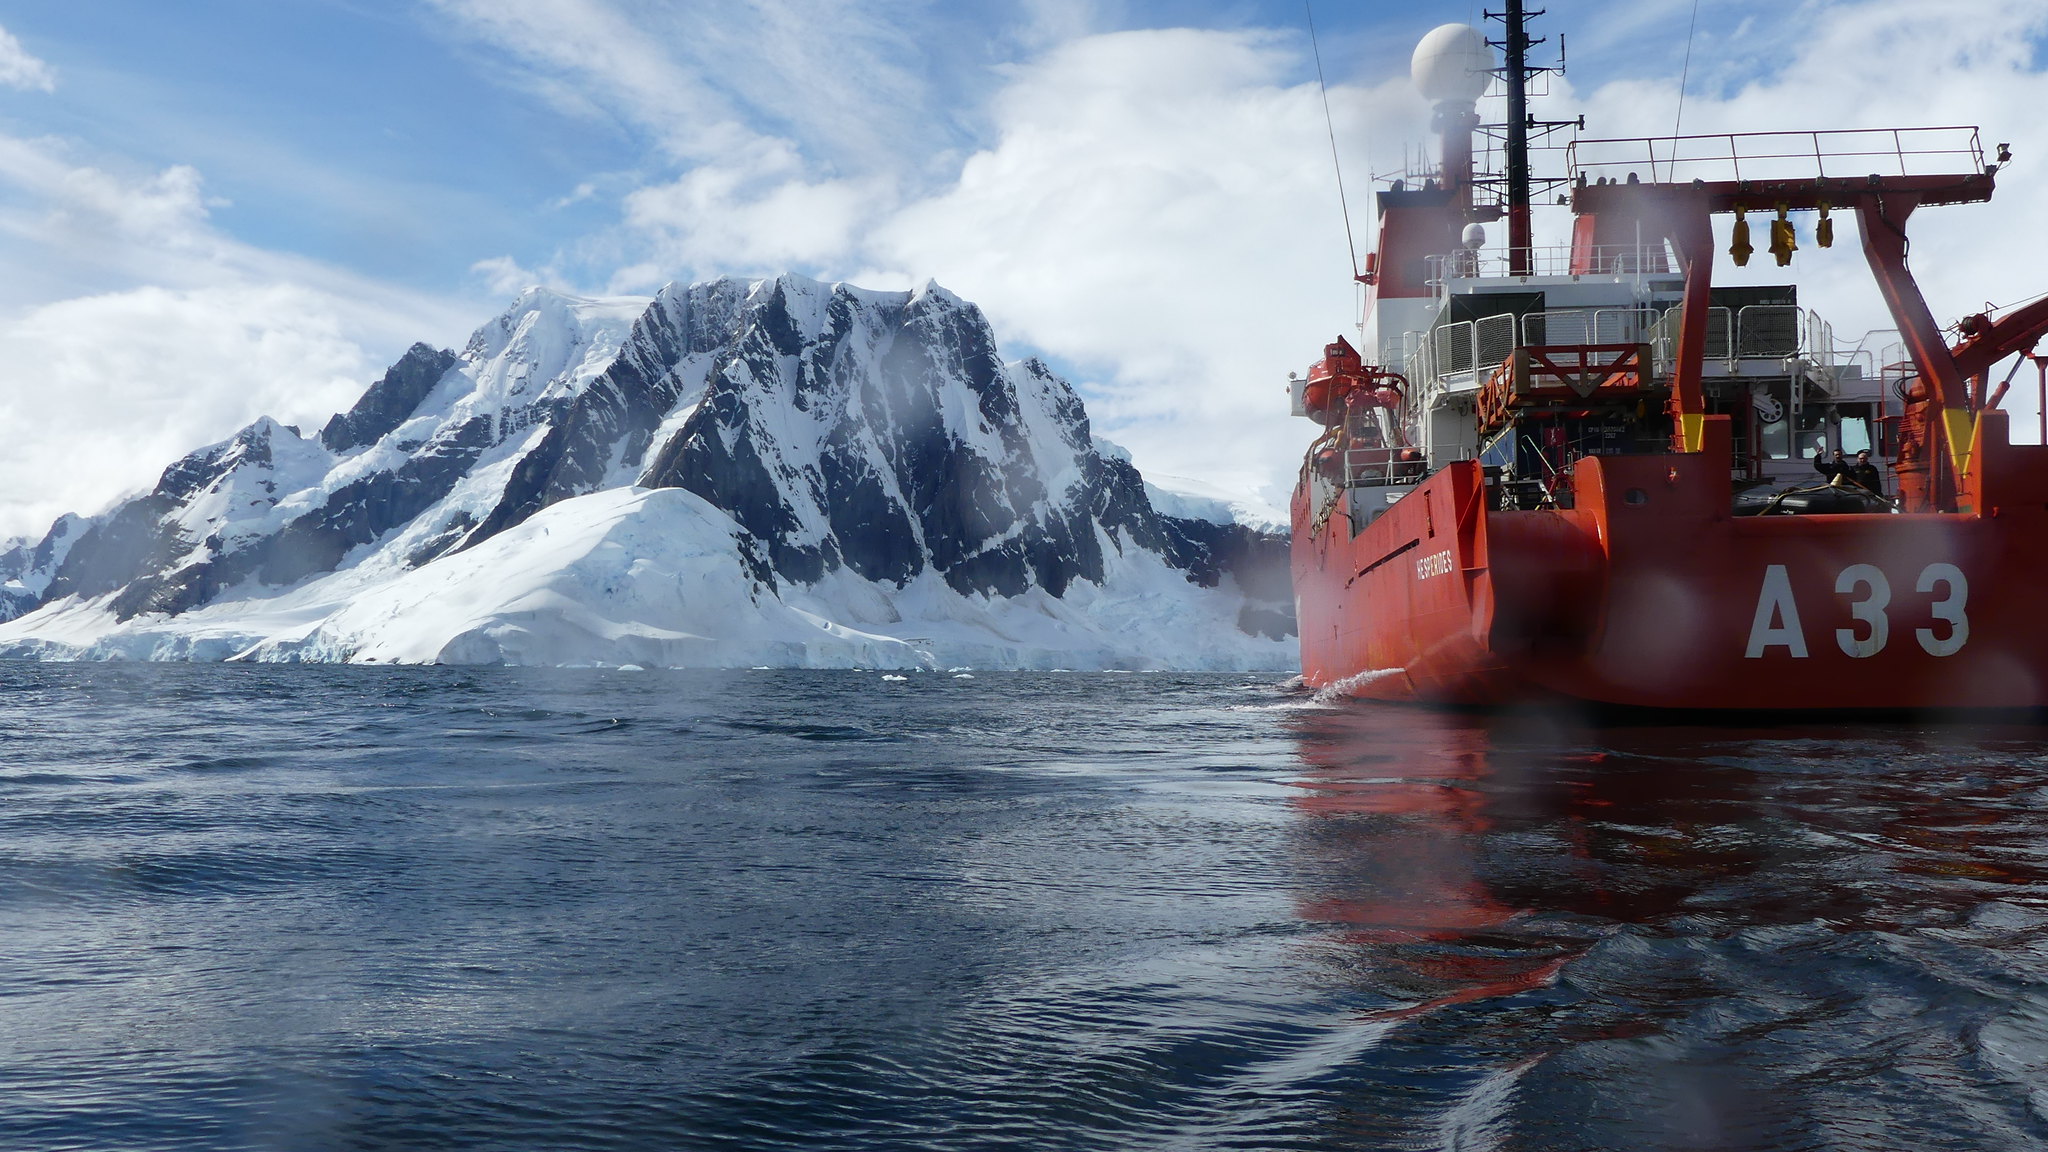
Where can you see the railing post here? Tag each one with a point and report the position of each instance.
(2041, 364)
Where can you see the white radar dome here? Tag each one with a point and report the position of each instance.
(1452, 65)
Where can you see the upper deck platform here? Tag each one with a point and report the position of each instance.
(1798, 170)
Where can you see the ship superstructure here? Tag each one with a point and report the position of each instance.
(1591, 472)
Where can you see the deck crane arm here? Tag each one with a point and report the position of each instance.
(1986, 341)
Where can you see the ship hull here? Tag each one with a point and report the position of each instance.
(1649, 593)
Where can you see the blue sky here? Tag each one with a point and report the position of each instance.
(216, 210)
(403, 139)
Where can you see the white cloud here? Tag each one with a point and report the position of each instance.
(787, 120)
(20, 70)
(582, 192)
(85, 201)
(602, 52)
(1047, 23)
(119, 386)
(72, 228)
(759, 217)
(503, 276)
(717, 79)
(139, 332)
(1160, 207)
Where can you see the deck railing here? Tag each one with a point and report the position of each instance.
(1755, 331)
(1650, 257)
(1454, 353)
(1840, 154)
(1457, 357)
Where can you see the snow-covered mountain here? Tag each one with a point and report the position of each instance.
(770, 472)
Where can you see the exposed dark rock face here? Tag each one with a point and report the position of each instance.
(159, 560)
(362, 511)
(25, 568)
(876, 433)
(614, 418)
(390, 401)
(929, 451)
(117, 548)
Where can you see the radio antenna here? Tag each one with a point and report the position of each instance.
(1343, 201)
(1683, 72)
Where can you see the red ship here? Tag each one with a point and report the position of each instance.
(1590, 474)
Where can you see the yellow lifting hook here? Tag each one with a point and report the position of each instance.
(1782, 243)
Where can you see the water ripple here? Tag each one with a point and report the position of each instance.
(305, 908)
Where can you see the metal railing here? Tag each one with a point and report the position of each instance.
(1759, 330)
(1647, 258)
(1838, 154)
(1883, 366)
(1375, 467)
(1457, 357)
(1404, 353)
(1452, 351)
(1819, 338)
(1449, 351)
(1588, 326)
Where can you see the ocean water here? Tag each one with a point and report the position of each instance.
(424, 908)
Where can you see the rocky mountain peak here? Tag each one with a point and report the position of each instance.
(846, 433)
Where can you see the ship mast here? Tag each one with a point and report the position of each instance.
(1517, 72)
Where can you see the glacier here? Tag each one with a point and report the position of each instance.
(773, 472)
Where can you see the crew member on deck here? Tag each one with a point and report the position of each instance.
(1830, 468)
(1863, 474)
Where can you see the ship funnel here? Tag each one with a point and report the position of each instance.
(1452, 65)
